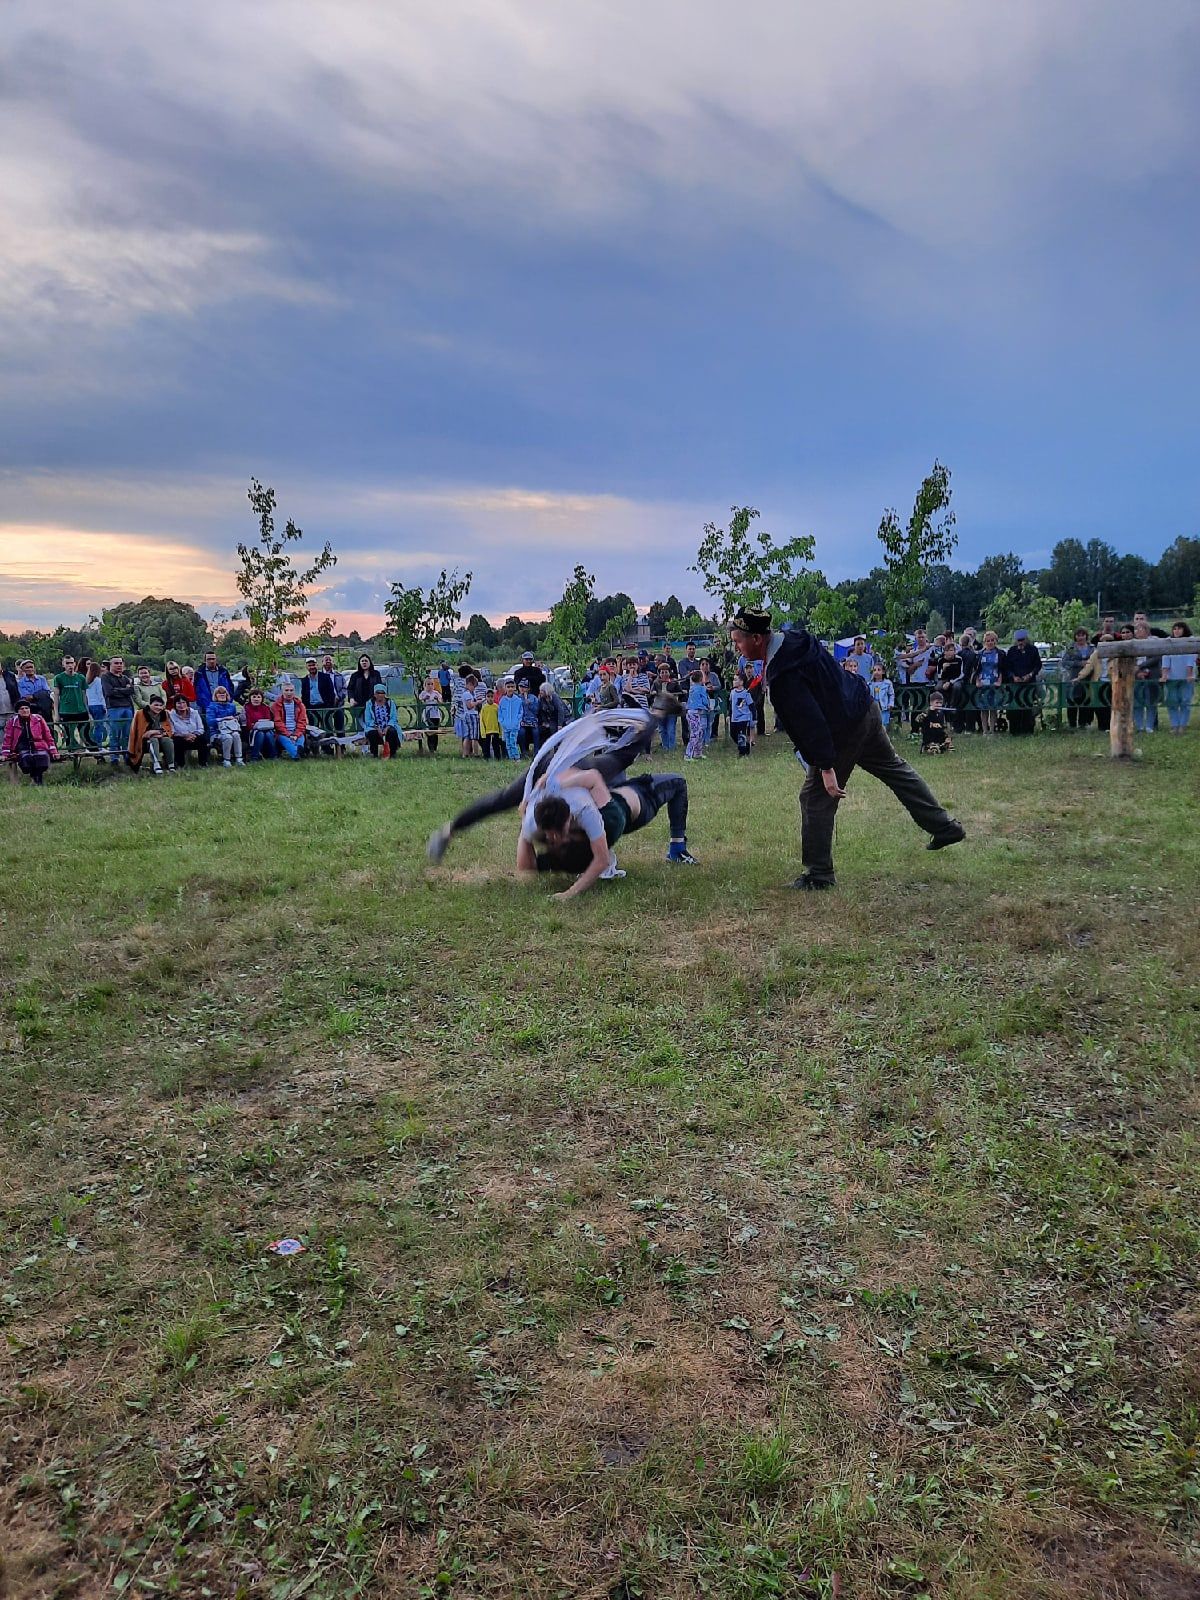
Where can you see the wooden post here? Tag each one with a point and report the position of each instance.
(1122, 675)
(1122, 657)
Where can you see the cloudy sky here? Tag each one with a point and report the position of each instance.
(516, 283)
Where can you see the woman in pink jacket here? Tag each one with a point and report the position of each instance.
(28, 743)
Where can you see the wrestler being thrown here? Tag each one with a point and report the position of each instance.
(575, 809)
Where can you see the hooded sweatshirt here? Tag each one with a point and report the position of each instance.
(817, 703)
(510, 708)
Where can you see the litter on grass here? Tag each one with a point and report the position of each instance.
(287, 1247)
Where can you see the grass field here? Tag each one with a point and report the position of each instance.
(693, 1237)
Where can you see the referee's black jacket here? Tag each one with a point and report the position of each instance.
(817, 703)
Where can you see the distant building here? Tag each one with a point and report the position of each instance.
(450, 647)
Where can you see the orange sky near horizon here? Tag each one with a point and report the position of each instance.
(52, 574)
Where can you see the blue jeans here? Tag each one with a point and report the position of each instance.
(120, 718)
(262, 742)
(1179, 701)
(290, 747)
(668, 731)
(1145, 706)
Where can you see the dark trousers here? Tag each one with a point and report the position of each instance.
(200, 747)
(609, 764)
(526, 739)
(35, 765)
(656, 790)
(389, 736)
(866, 746)
(493, 747)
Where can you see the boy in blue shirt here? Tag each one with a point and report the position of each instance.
(741, 715)
(528, 731)
(510, 710)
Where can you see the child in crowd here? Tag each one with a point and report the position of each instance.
(987, 683)
(489, 728)
(934, 727)
(741, 715)
(466, 718)
(607, 696)
(882, 692)
(850, 665)
(670, 725)
(637, 686)
(433, 712)
(528, 731)
(510, 711)
(698, 707)
(712, 687)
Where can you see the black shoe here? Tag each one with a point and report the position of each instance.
(955, 834)
(807, 881)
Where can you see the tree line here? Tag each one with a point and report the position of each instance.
(739, 564)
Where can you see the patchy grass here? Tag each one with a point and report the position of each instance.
(685, 1239)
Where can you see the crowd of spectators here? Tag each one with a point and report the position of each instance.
(980, 686)
(941, 686)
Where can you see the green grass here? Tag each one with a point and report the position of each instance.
(694, 1237)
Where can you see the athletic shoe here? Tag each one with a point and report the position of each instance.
(439, 842)
(808, 882)
(953, 835)
(239, 763)
(682, 854)
(227, 763)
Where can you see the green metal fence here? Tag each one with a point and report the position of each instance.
(1052, 703)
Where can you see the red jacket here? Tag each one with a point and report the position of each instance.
(39, 728)
(174, 687)
(301, 719)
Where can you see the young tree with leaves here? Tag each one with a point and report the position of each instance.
(618, 627)
(418, 619)
(273, 588)
(114, 636)
(739, 570)
(1048, 620)
(910, 549)
(567, 633)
